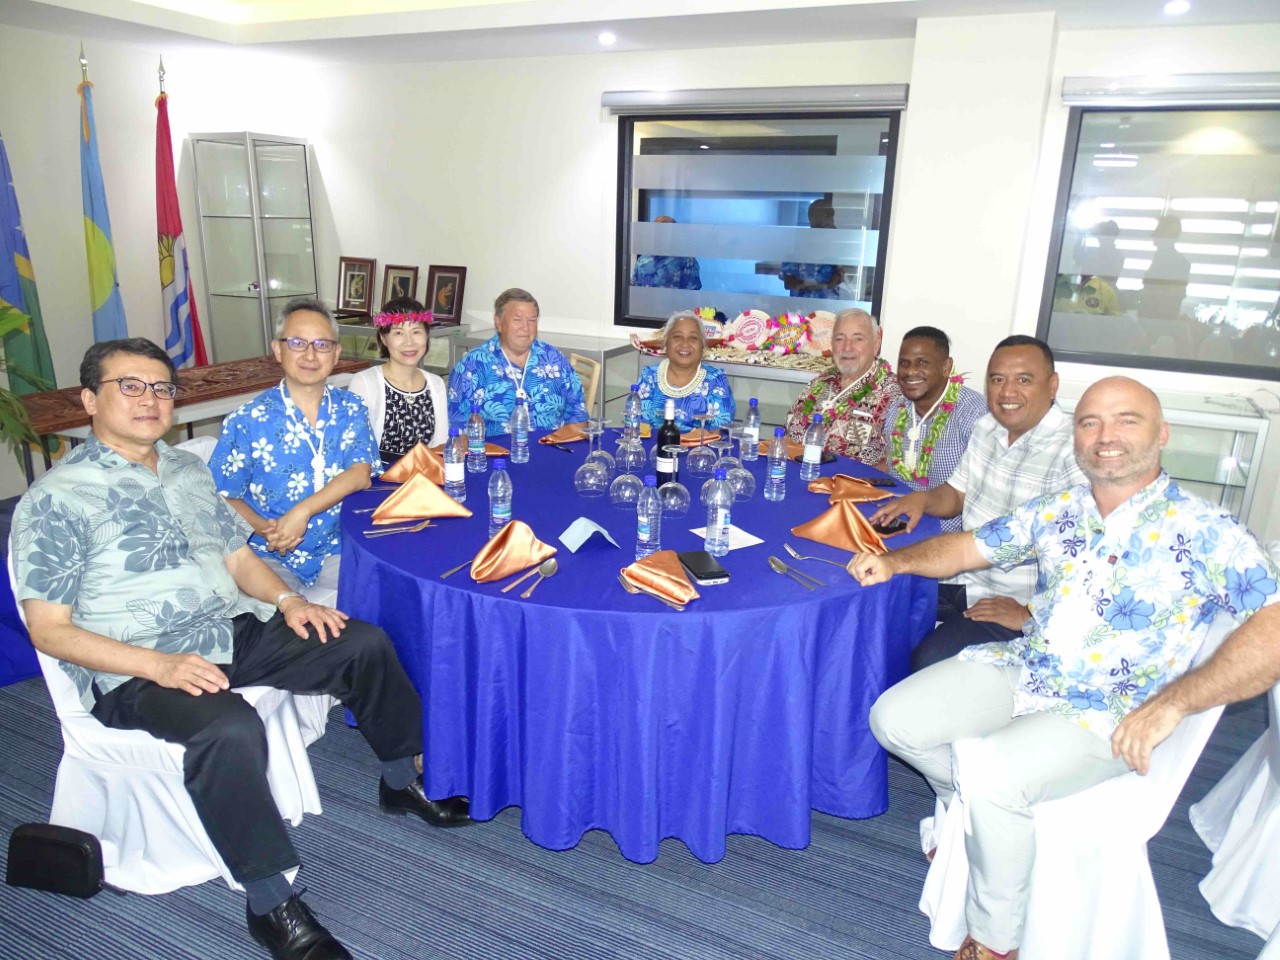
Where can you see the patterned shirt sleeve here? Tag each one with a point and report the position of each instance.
(462, 383)
(49, 558)
(1241, 576)
(357, 444)
(1010, 540)
(719, 392)
(229, 462)
(575, 402)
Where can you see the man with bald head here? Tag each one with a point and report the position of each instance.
(1132, 571)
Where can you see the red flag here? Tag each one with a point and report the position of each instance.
(183, 340)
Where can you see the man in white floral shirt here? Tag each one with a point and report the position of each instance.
(1132, 570)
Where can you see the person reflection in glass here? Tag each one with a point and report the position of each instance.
(677, 273)
(1164, 286)
(815, 280)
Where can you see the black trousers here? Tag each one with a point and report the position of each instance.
(955, 632)
(225, 766)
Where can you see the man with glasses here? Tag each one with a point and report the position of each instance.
(288, 457)
(135, 574)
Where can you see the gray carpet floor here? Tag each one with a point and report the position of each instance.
(397, 890)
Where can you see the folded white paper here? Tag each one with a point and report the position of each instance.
(582, 530)
(738, 538)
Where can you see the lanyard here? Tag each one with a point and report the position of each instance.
(317, 452)
(512, 369)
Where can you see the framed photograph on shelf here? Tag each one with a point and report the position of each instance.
(355, 285)
(444, 290)
(398, 281)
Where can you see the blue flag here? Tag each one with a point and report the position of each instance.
(104, 288)
(26, 350)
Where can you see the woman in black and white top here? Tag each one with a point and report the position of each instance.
(406, 403)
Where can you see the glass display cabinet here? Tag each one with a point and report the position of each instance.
(253, 196)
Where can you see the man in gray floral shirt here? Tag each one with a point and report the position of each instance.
(135, 574)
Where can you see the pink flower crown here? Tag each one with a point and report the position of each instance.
(391, 319)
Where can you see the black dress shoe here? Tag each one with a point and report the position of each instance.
(291, 932)
(450, 812)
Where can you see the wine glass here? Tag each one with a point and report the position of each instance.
(591, 479)
(674, 494)
(725, 459)
(624, 492)
(702, 459)
(631, 457)
(598, 455)
(743, 482)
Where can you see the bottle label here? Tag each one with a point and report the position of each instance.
(723, 520)
(475, 444)
(454, 473)
(522, 434)
(642, 529)
(778, 471)
(812, 452)
(666, 465)
(751, 434)
(500, 512)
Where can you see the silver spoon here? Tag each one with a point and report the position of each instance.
(834, 563)
(548, 569)
(779, 567)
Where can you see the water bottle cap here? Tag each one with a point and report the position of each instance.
(817, 418)
(635, 388)
(721, 473)
(454, 431)
(754, 402)
(499, 464)
(779, 432)
(651, 481)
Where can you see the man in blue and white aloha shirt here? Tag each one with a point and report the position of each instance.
(288, 457)
(1132, 572)
(511, 365)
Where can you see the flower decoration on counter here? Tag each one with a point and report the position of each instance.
(787, 333)
(391, 319)
(821, 323)
(909, 454)
(749, 330)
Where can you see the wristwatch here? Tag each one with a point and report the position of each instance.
(286, 595)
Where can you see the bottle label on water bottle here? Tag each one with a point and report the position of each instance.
(722, 522)
(812, 452)
(454, 473)
(475, 445)
(751, 434)
(500, 512)
(522, 435)
(778, 471)
(642, 529)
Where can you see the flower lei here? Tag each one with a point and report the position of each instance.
(677, 393)
(874, 377)
(919, 471)
(391, 319)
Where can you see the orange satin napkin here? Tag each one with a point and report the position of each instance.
(566, 434)
(844, 487)
(646, 430)
(418, 499)
(793, 449)
(490, 450)
(662, 573)
(696, 437)
(515, 548)
(418, 460)
(844, 527)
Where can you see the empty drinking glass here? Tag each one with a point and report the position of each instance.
(674, 494)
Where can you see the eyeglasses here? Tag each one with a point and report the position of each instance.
(300, 344)
(134, 387)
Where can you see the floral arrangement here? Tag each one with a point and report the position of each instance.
(788, 332)
(391, 319)
(907, 463)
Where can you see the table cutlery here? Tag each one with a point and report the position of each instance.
(779, 567)
(548, 569)
(835, 563)
(632, 588)
(449, 573)
(800, 573)
(561, 446)
(365, 510)
(375, 532)
(523, 577)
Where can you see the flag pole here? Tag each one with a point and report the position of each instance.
(84, 64)
(162, 75)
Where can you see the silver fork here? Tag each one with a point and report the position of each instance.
(386, 533)
(632, 588)
(834, 563)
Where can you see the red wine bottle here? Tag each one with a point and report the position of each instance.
(668, 436)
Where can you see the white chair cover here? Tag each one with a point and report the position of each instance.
(1091, 893)
(202, 447)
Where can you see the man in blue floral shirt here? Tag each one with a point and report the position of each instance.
(515, 365)
(288, 457)
(1132, 572)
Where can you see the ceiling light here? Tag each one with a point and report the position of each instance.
(607, 38)
(1176, 8)
(703, 146)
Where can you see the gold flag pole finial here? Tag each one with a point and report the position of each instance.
(84, 65)
(162, 74)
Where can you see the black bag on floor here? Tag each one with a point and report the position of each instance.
(57, 859)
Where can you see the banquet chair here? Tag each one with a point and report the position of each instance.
(588, 372)
(1091, 892)
(126, 787)
(1239, 820)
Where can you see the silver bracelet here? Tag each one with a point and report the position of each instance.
(286, 595)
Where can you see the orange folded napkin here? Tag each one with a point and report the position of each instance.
(662, 573)
(569, 433)
(490, 450)
(697, 437)
(418, 460)
(417, 499)
(646, 430)
(515, 548)
(844, 527)
(844, 487)
(793, 449)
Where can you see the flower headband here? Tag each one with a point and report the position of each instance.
(391, 319)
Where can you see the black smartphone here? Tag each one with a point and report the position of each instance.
(703, 567)
(881, 481)
(896, 525)
(827, 457)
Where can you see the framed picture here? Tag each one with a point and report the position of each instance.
(444, 289)
(355, 284)
(398, 281)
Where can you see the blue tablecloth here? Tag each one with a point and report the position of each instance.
(590, 708)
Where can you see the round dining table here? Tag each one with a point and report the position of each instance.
(592, 708)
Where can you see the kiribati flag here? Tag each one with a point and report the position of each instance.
(182, 340)
(104, 288)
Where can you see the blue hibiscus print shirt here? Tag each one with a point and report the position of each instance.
(713, 399)
(680, 273)
(264, 458)
(140, 557)
(823, 273)
(1125, 601)
(485, 381)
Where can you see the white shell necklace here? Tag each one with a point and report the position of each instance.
(676, 393)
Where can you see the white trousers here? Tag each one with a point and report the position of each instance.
(1030, 758)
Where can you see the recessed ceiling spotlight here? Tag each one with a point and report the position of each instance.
(607, 38)
(1176, 8)
(704, 146)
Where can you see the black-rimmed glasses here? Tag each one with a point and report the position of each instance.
(135, 387)
(300, 344)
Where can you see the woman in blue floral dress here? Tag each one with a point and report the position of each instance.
(699, 389)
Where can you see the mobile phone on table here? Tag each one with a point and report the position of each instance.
(703, 567)
(896, 525)
(881, 481)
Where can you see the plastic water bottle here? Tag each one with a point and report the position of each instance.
(455, 473)
(775, 482)
(815, 438)
(518, 427)
(750, 447)
(475, 444)
(631, 412)
(648, 519)
(719, 514)
(499, 497)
